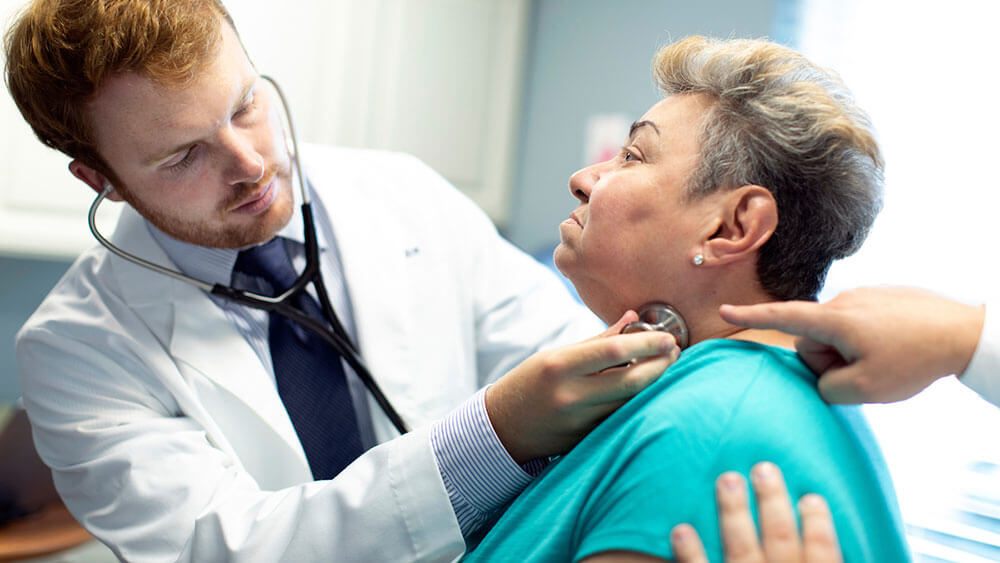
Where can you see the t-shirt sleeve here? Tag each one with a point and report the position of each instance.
(639, 504)
(665, 467)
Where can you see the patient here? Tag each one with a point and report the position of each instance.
(741, 186)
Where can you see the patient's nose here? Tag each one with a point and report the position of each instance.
(582, 181)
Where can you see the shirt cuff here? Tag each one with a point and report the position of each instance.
(983, 372)
(478, 473)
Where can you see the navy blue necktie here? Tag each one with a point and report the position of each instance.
(308, 370)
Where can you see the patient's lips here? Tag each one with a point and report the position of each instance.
(571, 228)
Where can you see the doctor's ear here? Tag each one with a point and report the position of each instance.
(97, 181)
(749, 216)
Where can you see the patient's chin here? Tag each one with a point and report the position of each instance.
(563, 258)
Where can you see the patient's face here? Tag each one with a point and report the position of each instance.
(633, 234)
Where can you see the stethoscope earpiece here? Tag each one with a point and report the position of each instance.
(662, 317)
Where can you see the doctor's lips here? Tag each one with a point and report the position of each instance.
(260, 198)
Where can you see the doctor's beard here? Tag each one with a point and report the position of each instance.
(225, 229)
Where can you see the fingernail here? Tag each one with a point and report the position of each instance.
(682, 534)
(764, 472)
(810, 502)
(730, 482)
(668, 343)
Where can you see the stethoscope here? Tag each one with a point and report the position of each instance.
(661, 317)
(655, 316)
(334, 334)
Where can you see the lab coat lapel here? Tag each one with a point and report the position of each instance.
(374, 256)
(198, 334)
(207, 341)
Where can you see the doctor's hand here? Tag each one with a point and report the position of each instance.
(780, 540)
(545, 405)
(873, 344)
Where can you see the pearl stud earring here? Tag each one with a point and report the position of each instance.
(698, 260)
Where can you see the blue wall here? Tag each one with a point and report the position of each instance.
(23, 284)
(589, 57)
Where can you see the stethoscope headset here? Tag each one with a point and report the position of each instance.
(661, 317)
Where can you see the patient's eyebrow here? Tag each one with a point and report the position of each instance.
(636, 125)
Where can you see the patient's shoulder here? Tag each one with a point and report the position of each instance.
(725, 390)
(723, 373)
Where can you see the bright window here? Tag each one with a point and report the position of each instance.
(927, 73)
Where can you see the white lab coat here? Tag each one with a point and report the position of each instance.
(167, 438)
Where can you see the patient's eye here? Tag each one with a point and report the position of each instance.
(628, 155)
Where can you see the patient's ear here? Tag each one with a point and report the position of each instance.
(92, 178)
(748, 218)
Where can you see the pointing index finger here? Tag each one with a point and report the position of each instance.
(803, 318)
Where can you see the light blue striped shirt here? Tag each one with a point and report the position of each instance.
(478, 473)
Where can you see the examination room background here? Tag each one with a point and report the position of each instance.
(507, 98)
(575, 59)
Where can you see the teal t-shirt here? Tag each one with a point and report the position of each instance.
(725, 405)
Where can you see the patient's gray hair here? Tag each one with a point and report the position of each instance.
(780, 122)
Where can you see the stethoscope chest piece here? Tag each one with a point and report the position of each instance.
(662, 317)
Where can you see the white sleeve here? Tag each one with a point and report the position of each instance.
(983, 373)
(155, 485)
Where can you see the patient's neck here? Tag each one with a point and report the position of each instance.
(769, 337)
(706, 324)
(720, 329)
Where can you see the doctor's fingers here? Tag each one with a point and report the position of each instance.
(778, 530)
(686, 545)
(596, 355)
(736, 526)
(820, 357)
(816, 321)
(818, 533)
(617, 385)
(629, 316)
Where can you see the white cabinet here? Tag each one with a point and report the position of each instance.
(43, 209)
(440, 79)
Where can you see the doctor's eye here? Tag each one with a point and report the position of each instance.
(185, 161)
(246, 106)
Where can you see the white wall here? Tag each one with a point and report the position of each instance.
(440, 79)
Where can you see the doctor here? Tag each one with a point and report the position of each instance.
(165, 413)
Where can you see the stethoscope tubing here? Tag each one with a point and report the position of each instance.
(335, 334)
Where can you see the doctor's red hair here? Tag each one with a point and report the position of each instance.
(59, 53)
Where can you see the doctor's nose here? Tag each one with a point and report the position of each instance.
(246, 164)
